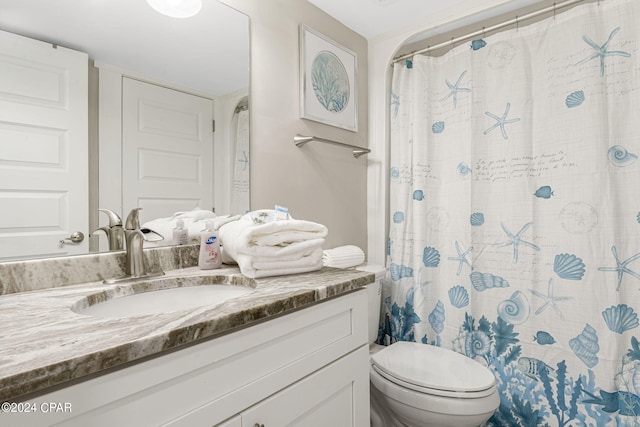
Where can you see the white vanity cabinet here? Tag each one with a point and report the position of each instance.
(308, 368)
(332, 396)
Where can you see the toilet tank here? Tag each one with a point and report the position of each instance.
(374, 294)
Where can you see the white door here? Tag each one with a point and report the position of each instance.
(167, 150)
(43, 148)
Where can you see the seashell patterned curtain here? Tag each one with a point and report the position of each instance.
(514, 203)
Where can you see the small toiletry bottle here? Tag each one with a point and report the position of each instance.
(180, 234)
(209, 249)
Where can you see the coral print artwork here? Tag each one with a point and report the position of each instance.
(328, 81)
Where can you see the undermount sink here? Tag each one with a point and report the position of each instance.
(163, 295)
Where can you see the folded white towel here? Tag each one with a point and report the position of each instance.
(282, 233)
(195, 214)
(195, 221)
(273, 247)
(262, 216)
(343, 256)
(308, 260)
(275, 238)
(255, 267)
(219, 221)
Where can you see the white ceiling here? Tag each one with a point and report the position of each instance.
(371, 18)
(208, 52)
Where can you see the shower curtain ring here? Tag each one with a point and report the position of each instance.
(517, 23)
(554, 10)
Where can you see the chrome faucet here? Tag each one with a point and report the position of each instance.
(114, 231)
(135, 241)
(134, 267)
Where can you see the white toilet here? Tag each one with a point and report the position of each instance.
(418, 385)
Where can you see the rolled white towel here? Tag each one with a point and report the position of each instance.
(343, 256)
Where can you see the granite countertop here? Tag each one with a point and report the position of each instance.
(43, 343)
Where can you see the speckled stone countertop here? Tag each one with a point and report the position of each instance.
(44, 343)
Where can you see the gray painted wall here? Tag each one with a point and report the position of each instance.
(318, 182)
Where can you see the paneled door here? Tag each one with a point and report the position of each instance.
(167, 150)
(43, 148)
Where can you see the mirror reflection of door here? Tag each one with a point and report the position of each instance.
(167, 150)
(43, 148)
(240, 167)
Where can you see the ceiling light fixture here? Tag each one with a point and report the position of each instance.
(176, 8)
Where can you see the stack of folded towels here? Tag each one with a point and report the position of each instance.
(263, 245)
(195, 222)
(343, 256)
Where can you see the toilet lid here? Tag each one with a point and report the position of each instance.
(431, 367)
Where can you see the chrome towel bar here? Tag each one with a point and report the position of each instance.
(300, 140)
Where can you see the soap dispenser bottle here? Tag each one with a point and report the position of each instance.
(180, 234)
(209, 249)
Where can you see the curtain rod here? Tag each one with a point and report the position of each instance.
(553, 8)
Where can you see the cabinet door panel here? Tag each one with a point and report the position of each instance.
(332, 396)
(233, 422)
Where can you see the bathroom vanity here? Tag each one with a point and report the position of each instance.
(291, 351)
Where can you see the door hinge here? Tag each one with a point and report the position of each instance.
(213, 125)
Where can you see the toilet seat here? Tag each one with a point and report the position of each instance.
(432, 370)
(403, 399)
(435, 392)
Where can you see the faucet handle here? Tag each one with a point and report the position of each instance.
(114, 218)
(133, 219)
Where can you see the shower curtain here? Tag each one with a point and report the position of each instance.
(514, 233)
(240, 183)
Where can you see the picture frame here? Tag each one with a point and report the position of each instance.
(328, 81)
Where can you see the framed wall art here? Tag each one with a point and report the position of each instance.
(328, 82)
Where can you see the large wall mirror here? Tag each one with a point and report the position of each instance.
(152, 81)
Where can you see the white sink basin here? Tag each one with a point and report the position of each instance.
(160, 296)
